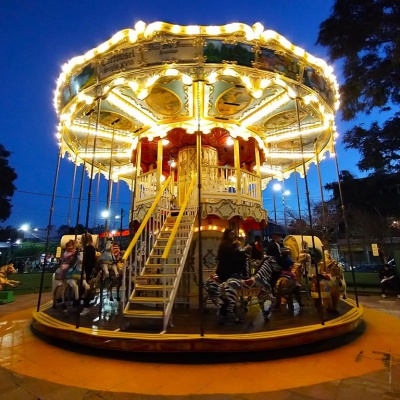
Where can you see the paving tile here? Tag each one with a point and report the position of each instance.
(322, 391)
(17, 394)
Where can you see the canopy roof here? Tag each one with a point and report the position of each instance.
(164, 81)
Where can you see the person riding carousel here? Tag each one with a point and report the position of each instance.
(287, 263)
(231, 258)
(68, 258)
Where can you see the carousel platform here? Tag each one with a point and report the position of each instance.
(196, 332)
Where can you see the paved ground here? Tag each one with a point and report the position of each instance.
(366, 367)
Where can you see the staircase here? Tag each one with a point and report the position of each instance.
(157, 284)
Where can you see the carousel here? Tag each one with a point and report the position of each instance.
(195, 121)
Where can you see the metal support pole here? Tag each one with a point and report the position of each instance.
(48, 229)
(346, 227)
(308, 202)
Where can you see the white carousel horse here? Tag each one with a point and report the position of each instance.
(4, 271)
(72, 281)
(107, 260)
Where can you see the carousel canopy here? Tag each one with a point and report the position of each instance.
(166, 82)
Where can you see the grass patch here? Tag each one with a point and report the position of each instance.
(30, 283)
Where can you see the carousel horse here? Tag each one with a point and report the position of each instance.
(213, 286)
(328, 287)
(107, 261)
(71, 282)
(212, 289)
(233, 289)
(286, 287)
(330, 292)
(4, 271)
(334, 269)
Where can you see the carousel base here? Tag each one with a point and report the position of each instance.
(195, 332)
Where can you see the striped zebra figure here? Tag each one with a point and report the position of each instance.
(213, 290)
(233, 296)
(285, 287)
(262, 279)
(228, 299)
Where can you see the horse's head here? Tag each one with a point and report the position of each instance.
(265, 269)
(9, 269)
(304, 257)
(79, 260)
(109, 243)
(335, 269)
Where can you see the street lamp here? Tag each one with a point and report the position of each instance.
(27, 229)
(277, 187)
(105, 214)
(284, 194)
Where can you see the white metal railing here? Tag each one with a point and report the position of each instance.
(145, 237)
(221, 182)
(146, 187)
(218, 183)
(179, 240)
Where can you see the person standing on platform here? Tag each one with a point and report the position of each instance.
(274, 250)
(274, 247)
(89, 264)
(231, 259)
(257, 248)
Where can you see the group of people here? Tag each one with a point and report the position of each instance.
(232, 257)
(69, 258)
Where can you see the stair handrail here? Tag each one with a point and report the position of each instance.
(168, 307)
(167, 249)
(145, 220)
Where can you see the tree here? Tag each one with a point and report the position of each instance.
(365, 36)
(7, 188)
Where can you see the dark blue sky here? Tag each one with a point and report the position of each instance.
(38, 36)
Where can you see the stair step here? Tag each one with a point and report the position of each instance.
(157, 276)
(144, 299)
(171, 256)
(144, 313)
(153, 287)
(151, 265)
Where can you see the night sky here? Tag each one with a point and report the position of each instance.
(38, 37)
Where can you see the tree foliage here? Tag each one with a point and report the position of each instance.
(365, 37)
(7, 188)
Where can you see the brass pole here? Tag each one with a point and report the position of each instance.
(346, 227)
(308, 202)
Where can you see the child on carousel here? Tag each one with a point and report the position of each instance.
(68, 258)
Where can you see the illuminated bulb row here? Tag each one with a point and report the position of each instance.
(210, 228)
(126, 106)
(290, 155)
(294, 133)
(104, 133)
(102, 155)
(268, 107)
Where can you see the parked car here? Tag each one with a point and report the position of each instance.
(368, 268)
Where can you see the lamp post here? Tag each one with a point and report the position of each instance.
(276, 188)
(285, 193)
(105, 214)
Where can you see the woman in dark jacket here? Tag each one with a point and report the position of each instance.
(89, 264)
(231, 260)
